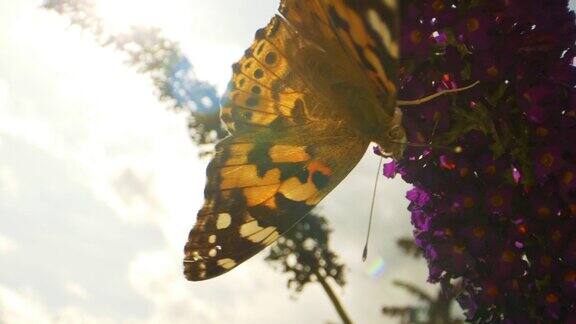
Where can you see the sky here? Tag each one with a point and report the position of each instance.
(100, 184)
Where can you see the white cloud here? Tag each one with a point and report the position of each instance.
(252, 293)
(7, 245)
(24, 307)
(156, 276)
(76, 290)
(20, 307)
(73, 315)
(4, 92)
(9, 184)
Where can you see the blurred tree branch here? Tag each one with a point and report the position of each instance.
(436, 310)
(409, 247)
(303, 253)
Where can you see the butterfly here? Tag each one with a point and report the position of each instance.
(315, 88)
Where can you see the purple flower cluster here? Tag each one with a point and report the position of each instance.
(500, 216)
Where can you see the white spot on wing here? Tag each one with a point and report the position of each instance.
(392, 4)
(256, 234)
(250, 228)
(382, 29)
(226, 263)
(224, 220)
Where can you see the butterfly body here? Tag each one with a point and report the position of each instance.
(303, 105)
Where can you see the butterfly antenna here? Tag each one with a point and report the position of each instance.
(436, 122)
(365, 252)
(433, 96)
(456, 149)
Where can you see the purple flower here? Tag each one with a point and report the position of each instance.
(418, 196)
(569, 283)
(491, 168)
(537, 100)
(389, 169)
(545, 133)
(463, 167)
(547, 160)
(490, 292)
(543, 264)
(468, 304)
(571, 317)
(501, 214)
(499, 201)
(516, 175)
(569, 254)
(520, 230)
(508, 264)
(440, 13)
(552, 305)
(569, 116)
(490, 67)
(479, 239)
(474, 29)
(447, 162)
(558, 236)
(416, 35)
(544, 208)
(420, 220)
(464, 200)
(568, 179)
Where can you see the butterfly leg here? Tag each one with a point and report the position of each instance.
(434, 96)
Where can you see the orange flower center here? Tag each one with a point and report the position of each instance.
(468, 202)
(522, 229)
(568, 177)
(551, 298)
(472, 25)
(570, 276)
(416, 37)
(438, 5)
(492, 291)
(458, 248)
(492, 71)
(515, 284)
(557, 235)
(547, 160)
(479, 232)
(542, 131)
(508, 256)
(544, 212)
(420, 137)
(545, 260)
(497, 201)
(491, 170)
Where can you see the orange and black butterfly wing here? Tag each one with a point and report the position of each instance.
(288, 149)
(367, 30)
(258, 190)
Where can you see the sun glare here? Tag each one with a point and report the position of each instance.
(120, 15)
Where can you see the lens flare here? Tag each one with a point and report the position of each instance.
(377, 268)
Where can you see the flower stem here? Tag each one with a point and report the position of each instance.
(333, 298)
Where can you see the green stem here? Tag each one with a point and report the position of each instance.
(333, 298)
